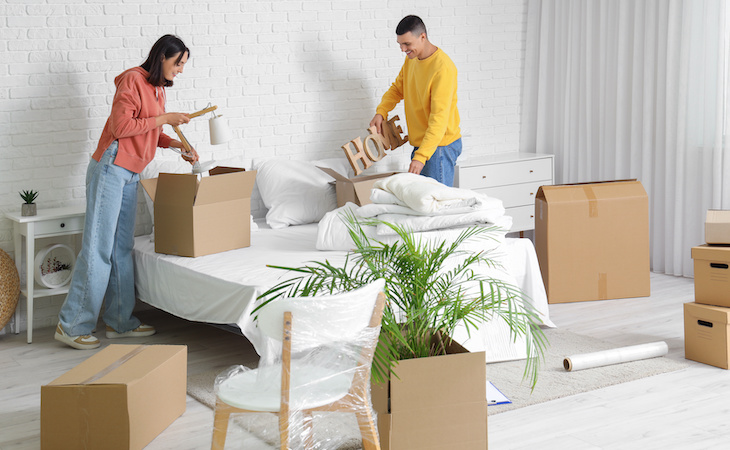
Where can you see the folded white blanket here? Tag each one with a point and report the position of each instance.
(332, 232)
(427, 195)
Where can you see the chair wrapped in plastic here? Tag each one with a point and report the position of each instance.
(319, 358)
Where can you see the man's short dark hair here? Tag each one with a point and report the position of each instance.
(414, 24)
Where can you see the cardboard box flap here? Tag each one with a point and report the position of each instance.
(711, 253)
(176, 189)
(112, 356)
(717, 226)
(219, 170)
(333, 173)
(150, 187)
(707, 313)
(468, 368)
(225, 187)
(603, 190)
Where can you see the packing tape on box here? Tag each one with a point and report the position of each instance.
(615, 356)
(592, 201)
(114, 365)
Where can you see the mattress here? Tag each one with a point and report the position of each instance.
(222, 288)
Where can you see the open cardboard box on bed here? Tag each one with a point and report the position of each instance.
(199, 217)
(355, 189)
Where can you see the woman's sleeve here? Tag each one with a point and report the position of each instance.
(125, 111)
(164, 141)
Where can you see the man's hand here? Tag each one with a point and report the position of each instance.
(377, 122)
(416, 167)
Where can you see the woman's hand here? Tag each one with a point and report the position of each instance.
(191, 157)
(377, 122)
(173, 119)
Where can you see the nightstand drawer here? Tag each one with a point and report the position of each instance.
(54, 226)
(523, 218)
(514, 195)
(499, 174)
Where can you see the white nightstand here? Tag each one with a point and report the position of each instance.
(511, 177)
(47, 223)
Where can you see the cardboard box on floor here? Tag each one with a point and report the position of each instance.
(199, 217)
(356, 189)
(712, 275)
(706, 337)
(435, 403)
(717, 226)
(592, 240)
(120, 398)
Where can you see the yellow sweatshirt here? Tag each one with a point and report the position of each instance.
(429, 89)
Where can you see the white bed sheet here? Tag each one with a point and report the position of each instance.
(222, 288)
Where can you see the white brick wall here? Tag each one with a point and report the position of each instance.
(295, 79)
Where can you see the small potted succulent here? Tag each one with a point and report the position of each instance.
(28, 208)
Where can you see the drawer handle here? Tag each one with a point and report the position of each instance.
(532, 216)
(63, 225)
(531, 170)
(484, 176)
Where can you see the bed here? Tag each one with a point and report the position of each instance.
(222, 288)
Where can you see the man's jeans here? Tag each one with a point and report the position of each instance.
(104, 268)
(440, 166)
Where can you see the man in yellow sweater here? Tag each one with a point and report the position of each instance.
(427, 83)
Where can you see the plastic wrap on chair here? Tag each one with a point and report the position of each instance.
(323, 400)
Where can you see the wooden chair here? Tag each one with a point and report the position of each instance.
(302, 324)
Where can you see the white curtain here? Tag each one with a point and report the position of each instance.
(635, 89)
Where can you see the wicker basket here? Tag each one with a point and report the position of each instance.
(9, 288)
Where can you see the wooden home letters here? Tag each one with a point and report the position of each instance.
(373, 148)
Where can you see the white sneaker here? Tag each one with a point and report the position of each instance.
(141, 331)
(85, 342)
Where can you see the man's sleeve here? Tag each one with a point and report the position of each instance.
(442, 94)
(391, 97)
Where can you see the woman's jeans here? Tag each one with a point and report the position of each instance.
(104, 269)
(440, 166)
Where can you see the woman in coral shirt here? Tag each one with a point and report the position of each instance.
(104, 269)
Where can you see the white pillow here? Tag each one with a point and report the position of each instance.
(297, 192)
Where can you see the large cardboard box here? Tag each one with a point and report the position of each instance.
(435, 403)
(706, 337)
(712, 275)
(356, 189)
(717, 226)
(120, 398)
(195, 217)
(592, 240)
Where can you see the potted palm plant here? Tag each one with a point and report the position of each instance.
(29, 207)
(431, 288)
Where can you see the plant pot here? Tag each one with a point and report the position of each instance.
(28, 209)
(435, 402)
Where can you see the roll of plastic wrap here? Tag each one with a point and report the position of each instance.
(615, 356)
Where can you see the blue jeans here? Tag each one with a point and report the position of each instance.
(440, 166)
(104, 268)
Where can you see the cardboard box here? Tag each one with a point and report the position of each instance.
(195, 217)
(712, 275)
(717, 226)
(356, 189)
(435, 403)
(120, 398)
(706, 337)
(592, 240)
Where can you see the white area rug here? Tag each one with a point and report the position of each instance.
(340, 430)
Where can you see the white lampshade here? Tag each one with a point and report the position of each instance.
(219, 131)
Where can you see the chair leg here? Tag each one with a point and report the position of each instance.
(368, 430)
(284, 430)
(309, 430)
(220, 425)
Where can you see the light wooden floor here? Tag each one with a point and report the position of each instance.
(688, 409)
